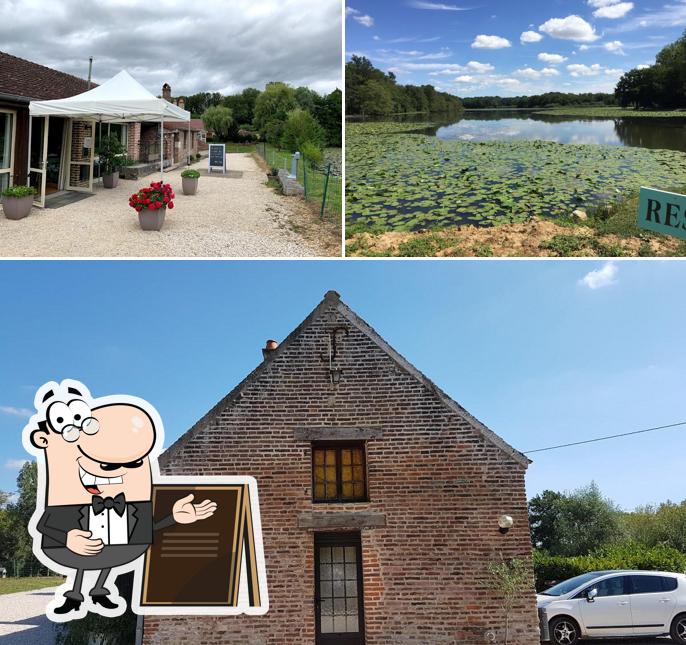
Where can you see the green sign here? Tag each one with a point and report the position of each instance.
(662, 212)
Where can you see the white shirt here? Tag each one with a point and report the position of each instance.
(109, 526)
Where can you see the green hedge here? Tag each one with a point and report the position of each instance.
(550, 569)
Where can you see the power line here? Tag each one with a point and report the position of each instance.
(611, 436)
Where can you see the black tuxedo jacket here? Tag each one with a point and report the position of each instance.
(56, 521)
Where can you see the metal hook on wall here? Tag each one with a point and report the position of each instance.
(333, 348)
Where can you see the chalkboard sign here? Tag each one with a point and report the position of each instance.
(217, 156)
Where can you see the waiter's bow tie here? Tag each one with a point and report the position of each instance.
(118, 503)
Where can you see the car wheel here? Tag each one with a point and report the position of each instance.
(565, 631)
(678, 629)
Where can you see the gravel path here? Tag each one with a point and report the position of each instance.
(228, 217)
(23, 620)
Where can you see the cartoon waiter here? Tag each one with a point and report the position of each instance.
(96, 461)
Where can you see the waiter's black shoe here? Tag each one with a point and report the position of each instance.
(69, 605)
(103, 601)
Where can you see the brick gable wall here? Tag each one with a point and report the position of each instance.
(439, 482)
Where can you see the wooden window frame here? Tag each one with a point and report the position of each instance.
(338, 446)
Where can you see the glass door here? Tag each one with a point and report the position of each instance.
(38, 153)
(80, 150)
(339, 601)
(7, 134)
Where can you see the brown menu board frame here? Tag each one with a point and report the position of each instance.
(183, 550)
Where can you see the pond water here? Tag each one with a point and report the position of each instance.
(508, 168)
(509, 125)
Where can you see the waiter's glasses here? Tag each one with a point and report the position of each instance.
(70, 419)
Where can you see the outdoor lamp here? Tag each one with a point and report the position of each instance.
(505, 523)
(335, 373)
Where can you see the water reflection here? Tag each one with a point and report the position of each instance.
(490, 125)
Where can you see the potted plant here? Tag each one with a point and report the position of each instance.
(17, 201)
(112, 155)
(151, 204)
(189, 181)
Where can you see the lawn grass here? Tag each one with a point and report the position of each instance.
(315, 179)
(13, 585)
(611, 112)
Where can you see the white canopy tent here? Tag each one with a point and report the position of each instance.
(121, 99)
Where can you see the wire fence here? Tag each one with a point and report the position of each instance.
(23, 569)
(322, 183)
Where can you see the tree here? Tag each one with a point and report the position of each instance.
(574, 523)
(20, 512)
(300, 128)
(272, 108)
(510, 580)
(375, 98)
(242, 106)
(328, 111)
(219, 119)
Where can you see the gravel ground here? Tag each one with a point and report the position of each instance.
(23, 620)
(228, 217)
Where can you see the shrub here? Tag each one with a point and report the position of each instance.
(550, 569)
(112, 154)
(191, 173)
(301, 128)
(312, 153)
(19, 191)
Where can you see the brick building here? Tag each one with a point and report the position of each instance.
(379, 495)
(21, 82)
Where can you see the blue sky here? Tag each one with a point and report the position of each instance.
(511, 48)
(544, 352)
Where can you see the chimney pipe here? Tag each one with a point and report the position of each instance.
(90, 70)
(269, 347)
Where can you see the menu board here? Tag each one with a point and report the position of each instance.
(217, 156)
(199, 564)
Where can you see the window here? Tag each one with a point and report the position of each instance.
(652, 584)
(609, 587)
(339, 472)
(669, 584)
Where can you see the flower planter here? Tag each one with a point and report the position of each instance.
(17, 207)
(189, 185)
(151, 220)
(111, 180)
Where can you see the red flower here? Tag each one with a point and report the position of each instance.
(158, 204)
(170, 205)
(139, 208)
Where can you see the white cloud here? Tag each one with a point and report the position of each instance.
(583, 48)
(528, 72)
(569, 28)
(507, 82)
(464, 79)
(365, 21)
(490, 42)
(551, 59)
(436, 6)
(549, 71)
(614, 11)
(480, 68)
(584, 70)
(15, 412)
(614, 46)
(642, 66)
(349, 11)
(530, 37)
(603, 277)
(596, 4)
(613, 72)
(15, 464)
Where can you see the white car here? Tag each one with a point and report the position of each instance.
(608, 604)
